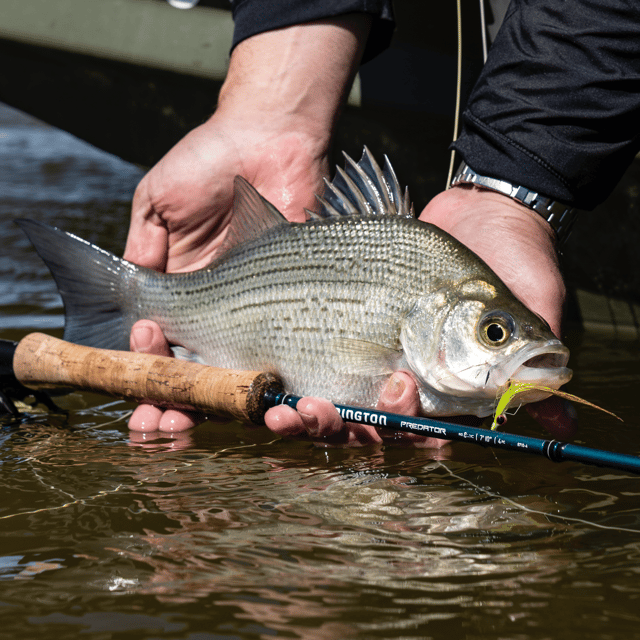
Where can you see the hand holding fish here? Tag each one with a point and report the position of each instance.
(520, 247)
(316, 418)
(183, 204)
(271, 127)
(185, 201)
(513, 240)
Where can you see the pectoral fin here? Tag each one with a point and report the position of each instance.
(366, 358)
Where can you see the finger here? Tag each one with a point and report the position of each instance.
(401, 396)
(148, 238)
(314, 417)
(145, 418)
(173, 421)
(147, 337)
(285, 422)
(319, 420)
(324, 424)
(556, 415)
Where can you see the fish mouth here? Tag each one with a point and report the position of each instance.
(544, 365)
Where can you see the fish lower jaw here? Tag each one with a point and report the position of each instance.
(553, 378)
(439, 405)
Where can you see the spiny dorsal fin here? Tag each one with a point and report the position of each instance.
(253, 215)
(312, 215)
(363, 188)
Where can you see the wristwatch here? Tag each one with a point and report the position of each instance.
(560, 216)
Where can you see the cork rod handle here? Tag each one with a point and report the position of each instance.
(44, 362)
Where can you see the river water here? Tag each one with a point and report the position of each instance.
(228, 532)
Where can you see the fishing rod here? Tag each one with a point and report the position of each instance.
(43, 362)
(552, 449)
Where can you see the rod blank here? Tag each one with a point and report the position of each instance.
(551, 449)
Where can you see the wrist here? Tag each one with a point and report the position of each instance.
(296, 78)
(559, 216)
(489, 210)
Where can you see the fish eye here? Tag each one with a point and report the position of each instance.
(496, 328)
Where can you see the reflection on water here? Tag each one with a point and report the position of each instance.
(226, 532)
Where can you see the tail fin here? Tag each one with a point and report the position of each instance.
(90, 281)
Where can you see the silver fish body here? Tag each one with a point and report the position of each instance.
(333, 305)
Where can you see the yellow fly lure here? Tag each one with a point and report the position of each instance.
(515, 388)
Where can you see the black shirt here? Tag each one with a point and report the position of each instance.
(557, 106)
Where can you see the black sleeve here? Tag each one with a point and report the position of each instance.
(255, 16)
(557, 106)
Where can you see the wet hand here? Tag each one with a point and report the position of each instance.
(183, 204)
(512, 239)
(181, 207)
(318, 420)
(520, 247)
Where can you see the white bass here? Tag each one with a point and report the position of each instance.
(333, 305)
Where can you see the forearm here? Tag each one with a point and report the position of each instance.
(557, 106)
(295, 78)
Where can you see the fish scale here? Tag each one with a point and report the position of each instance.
(358, 279)
(333, 305)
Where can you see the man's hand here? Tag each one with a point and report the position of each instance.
(520, 247)
(319, 420)
(512, 239)
(273, 125)
(182, 205)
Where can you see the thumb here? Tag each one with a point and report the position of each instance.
(147, 337)
(400, 395)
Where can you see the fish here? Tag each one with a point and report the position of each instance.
(333, 305)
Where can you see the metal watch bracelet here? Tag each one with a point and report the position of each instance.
(560, 216)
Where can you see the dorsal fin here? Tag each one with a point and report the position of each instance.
(312, 215)
(252, 215)
(363, 188)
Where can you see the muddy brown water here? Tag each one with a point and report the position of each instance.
(228, 532)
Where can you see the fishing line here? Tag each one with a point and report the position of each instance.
(76, 501)
(522, 507)
(106, 492)
(456, 120)
(483, 27)
(458, 91)
(122, 418)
